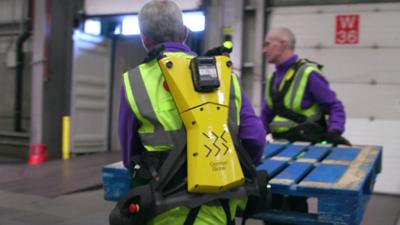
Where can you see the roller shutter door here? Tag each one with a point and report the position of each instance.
(90, 94)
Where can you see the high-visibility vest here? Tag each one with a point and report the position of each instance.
(293, 98)
(154, 106)
(161, 127)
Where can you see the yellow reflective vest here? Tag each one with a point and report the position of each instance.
(293, 98)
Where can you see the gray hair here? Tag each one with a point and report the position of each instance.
(161, 20)
(288, 36)
(284, 34)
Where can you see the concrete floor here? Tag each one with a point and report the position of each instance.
(86, 208)
(89, 208)
(37, 195)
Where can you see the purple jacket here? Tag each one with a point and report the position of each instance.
(317, 91)
(251, 131)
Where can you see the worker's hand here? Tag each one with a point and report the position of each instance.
(336, 138)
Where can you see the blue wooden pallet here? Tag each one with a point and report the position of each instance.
(340, 178)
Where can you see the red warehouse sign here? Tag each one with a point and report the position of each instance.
(347, 29)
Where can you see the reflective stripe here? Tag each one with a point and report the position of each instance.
(287, 123)
(232, 120)
(143, 103)
(235, 99)
(268, 97)
(295, 89)
(147, 125)
(163, 140)
(293, 99)
(153, 135)
(276, 124)
(237, 92)
(289, 74)
(161, 100)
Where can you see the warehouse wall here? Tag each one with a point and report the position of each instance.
(364, 75)
(10, 19)
(7, 88)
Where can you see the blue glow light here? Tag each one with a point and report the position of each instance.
(92, 27)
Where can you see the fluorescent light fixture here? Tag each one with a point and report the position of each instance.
(195, 21)
(92, 27)
(130, 25)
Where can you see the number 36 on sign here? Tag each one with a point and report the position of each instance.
(347, 29)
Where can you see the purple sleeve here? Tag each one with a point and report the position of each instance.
(127, 130)
(266, 116)
(251, 131)
(326, 97)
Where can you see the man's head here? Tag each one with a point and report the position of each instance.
(161, 21)
(279, 45)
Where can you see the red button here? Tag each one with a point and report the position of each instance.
(166, 85)
(133, 208)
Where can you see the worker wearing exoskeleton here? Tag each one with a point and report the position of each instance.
(187, 130)
(299, 105)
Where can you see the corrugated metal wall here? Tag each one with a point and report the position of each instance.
(11, 15)
(10, 10)
(90, 92)
(364, 75)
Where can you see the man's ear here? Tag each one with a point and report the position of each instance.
(185, 33)
(285, 44)
(148, 42)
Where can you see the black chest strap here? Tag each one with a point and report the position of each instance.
(191, 217)
(278, 96)
(225, 206)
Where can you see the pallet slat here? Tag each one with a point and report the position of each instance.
(341, 178)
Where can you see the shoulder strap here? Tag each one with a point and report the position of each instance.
(318, 65)
(278, 97)
(225, 206)
(191, 217)
(155, 53)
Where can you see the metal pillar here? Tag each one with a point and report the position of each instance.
(233, 19)
(52, 62)
(258, 56)
(214, 20)
(38, 63)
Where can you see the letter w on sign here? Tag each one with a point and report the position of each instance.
(347, 29)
